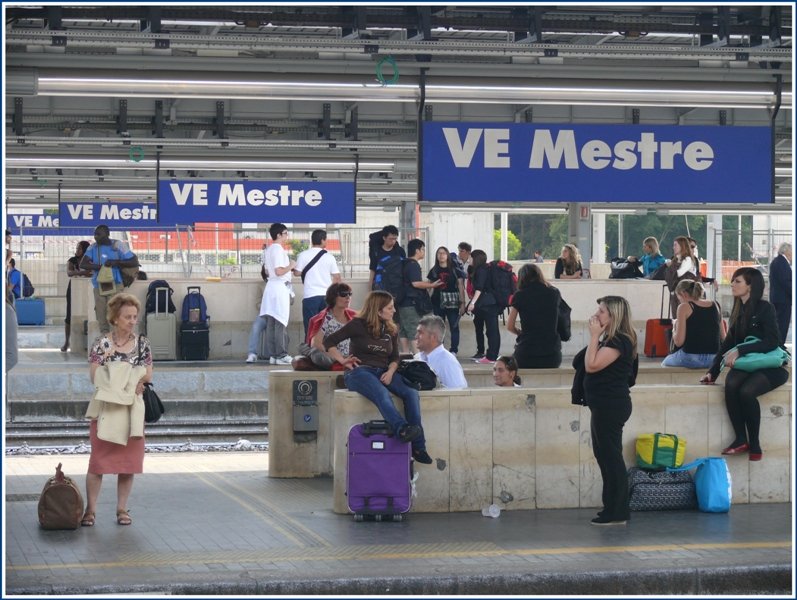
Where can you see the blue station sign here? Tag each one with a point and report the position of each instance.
(182, 202)
(519, 162)
(128, 215)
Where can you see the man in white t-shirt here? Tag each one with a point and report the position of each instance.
(429, 337)
(275, 306)
(318, 270)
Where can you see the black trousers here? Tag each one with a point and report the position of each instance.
(606, 426)
(742, 390)
(489, 315)
(783, 315)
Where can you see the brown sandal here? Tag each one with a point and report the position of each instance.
(123, 517)
(87, 520)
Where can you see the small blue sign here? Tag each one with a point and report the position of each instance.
(125, 216)
(182, 202)
(519, 162)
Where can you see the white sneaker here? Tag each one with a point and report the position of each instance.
(251, 358)
(272, 361)
(285, 360)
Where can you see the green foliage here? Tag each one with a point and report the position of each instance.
(297, 246)
(512, 245)
(230, 260)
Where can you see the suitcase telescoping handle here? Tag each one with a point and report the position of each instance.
(158, 291)
(665, 292)
(193, 287)
(372, 427)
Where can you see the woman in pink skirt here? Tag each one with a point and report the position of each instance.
(121, 344)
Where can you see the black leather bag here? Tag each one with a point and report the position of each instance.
(563, 321)
(417, 374)
(622, 268)
(153, 407)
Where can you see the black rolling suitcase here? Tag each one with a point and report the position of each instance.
(194, 329)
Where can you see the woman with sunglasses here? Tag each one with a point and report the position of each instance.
(332, 318)
(371, 368)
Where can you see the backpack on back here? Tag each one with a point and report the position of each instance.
(375, 241)
(149, 304)
(27, 287)
(502, 281)
(389, 276)
(194, 310)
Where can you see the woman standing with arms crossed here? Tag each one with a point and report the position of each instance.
(568, 265)
(121, 344)
(73, 270)
(484, 308)
(751, 315)
(537, 303)
(371, 368)
(609, 365)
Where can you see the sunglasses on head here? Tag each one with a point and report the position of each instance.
(345, 294)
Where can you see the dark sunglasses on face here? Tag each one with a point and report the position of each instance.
(344, 294)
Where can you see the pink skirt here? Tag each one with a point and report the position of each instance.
(109, 458)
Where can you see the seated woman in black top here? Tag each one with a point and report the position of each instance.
(537, 303)
(751, 316)
(696, 330)
(568, 265)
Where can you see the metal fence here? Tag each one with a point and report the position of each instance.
(224, 251)
(751, 249)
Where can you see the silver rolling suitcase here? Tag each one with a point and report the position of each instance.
(162, 328)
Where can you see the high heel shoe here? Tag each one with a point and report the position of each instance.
(737, 449)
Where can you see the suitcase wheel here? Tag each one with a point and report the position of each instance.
(398, 518)
(358, 518)
(378, 518)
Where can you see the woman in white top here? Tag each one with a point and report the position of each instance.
(505, 372)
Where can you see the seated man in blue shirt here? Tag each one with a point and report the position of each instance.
(14, 278)
(105, 252)
(429, 337)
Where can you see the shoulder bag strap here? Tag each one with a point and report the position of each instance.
(139, 347)
(310, 265)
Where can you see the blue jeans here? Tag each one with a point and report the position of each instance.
(679, 358)
(452, 314)
(310, 308)
(276, 337)
(365, 380)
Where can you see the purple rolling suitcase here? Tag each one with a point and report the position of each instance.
(378, 473)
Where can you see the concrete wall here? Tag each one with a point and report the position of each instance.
(524, 448)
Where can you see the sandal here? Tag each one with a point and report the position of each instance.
(123, 517)
(87, 520)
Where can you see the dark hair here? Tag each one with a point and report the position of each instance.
(448, 256)
(12, 262)
(84, 245)
(742, 313)
(276, 229)
(479, 258)
(389, 230)
(465, 246)
(102, 228)
(511, 365)
(413, 246)
(318, 236)
(333, 291)
(528, 274)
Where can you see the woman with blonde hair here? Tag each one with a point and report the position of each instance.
(568, 265)
(652, 259)
(371, 368)
(120, 345)
(697, 329)
(610, 366)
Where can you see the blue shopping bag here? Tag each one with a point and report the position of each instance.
(712, 483)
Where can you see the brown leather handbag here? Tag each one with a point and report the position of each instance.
(60, 504)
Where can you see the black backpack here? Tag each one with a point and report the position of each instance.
(27, 287)
(622, 268)
(418, 374)
(375, 241)
(389, 276)
(502, 282)
(149, 305)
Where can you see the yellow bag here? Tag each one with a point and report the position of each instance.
(659, 450)
(106, 284)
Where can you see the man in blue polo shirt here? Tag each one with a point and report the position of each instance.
(105, 252)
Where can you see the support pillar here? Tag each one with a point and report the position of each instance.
(504, 250)
(579, 230)
(599, 237)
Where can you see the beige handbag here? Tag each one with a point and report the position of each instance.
(105, 282)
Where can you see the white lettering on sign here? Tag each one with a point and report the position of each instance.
(625, 155)
(236, 195)
(496, 147)
(24, 221)
(198, 191)
(116, 212)
(75, 211)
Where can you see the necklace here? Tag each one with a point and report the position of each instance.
(113, 338)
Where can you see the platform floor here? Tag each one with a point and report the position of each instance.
(216, 524)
